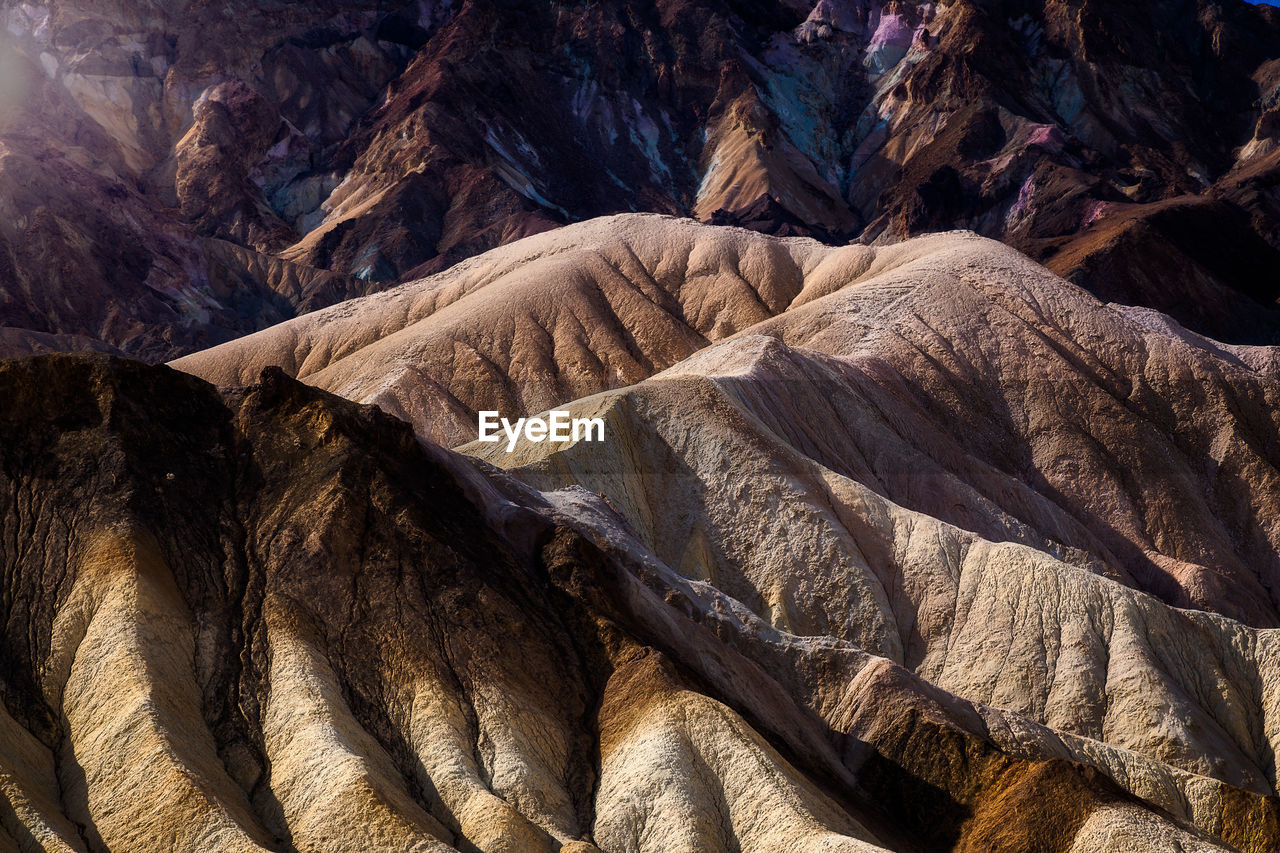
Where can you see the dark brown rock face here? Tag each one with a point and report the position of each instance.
(374, 142)
(134, 135)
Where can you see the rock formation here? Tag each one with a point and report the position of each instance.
(275, 620)
(1030, 404)
(937, 459)
(138, 145)
(365, 144)
(936, 506)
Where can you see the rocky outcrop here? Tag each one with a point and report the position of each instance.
(1044, 404)
(937, 459)
(893, 545)
(545, 320)
(979, 474)
(131, 133)
(1194, 258)
(277, 621)
(1030, 404)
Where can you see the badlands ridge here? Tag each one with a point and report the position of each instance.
(989, 548)
(901, 543)
(906, 548)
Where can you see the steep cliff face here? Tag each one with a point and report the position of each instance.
(278, 621)
(367, 143)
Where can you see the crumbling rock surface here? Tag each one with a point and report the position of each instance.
(985, 476)
(1023, 407)
(1009, 511)
(132, 133)
(544, 320)
(276, 620)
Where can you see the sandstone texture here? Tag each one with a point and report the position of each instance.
(934, 486)
(934, 343)
(274, 620)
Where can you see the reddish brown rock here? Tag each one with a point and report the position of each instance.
(385, 142)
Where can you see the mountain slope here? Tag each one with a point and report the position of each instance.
(369, 143)
(545, 320)
(812, 468)
(937, 453)
(287, 611)
(1039, 415)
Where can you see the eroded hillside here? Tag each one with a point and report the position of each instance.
(287, 624)
(936, 468)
